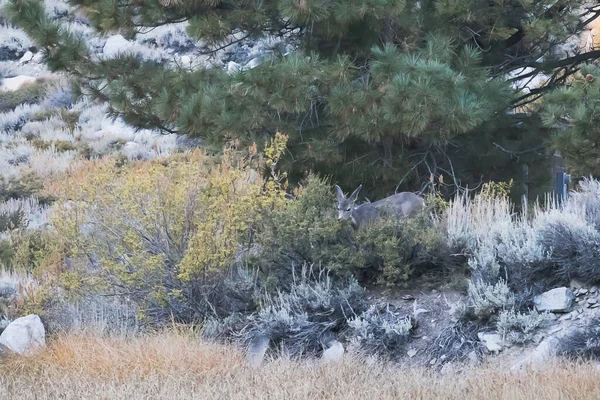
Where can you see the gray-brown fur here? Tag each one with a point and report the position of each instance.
(402, 204)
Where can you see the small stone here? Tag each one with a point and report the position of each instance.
(335, 352)
(492, 341)
(580, 311)
(592, 301)
(582, 291)
(473, 357)
(565, 317)
(186, 61)
(233, 67)
(575, 284)
(435, 291)
(594, 305)
(593, 289)
(433, 361)
(28, 56)
(411, 353)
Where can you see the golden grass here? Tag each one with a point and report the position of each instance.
(175, 366)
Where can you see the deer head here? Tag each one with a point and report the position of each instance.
(346, 204)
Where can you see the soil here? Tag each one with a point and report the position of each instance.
(431, 307)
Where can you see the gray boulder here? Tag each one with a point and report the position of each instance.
(25, 335)
(556, 300)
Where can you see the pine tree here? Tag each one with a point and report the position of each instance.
(574, 113)
(377, 91)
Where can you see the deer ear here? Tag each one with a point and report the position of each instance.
(354, 194)
(340, 194)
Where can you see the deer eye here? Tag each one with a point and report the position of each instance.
(348, 210)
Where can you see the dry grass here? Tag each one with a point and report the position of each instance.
(175, 366)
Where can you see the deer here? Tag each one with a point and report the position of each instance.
(404, 204)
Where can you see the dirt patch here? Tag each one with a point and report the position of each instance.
(431, 309)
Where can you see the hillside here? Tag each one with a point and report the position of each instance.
(162, 265)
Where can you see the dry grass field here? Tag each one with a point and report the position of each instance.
(176, 366)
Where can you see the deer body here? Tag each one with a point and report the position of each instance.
(402, 204)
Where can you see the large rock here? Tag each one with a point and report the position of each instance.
(25, 335)
(555, 300)
(540, 357)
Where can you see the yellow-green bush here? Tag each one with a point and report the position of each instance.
(163, 231)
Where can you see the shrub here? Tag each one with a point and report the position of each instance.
(305, 230)
(380, 332)
(165, 232)
(517, 327)
(26, 185)
(26, 94)
(582, 342)
(302, 320)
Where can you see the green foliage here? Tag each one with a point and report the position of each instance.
(59, 145)
(573, 113)
(28, 184)
(29, 93)
(306, 231)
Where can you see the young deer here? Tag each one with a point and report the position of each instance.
(402, 204)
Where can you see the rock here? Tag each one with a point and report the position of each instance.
(575, 284)
(473, 358)
(592, 301)
(258, 348)
(433, 361)
(25, 335)
(233, 67)
(253, 63)
(593, 289)
(15, 83)
(539, 358)
(37, 58)
(565, 317)
(115, 45)
(334, 353)
(28, 56)
(492, 341)
(554, 330)
(555, 300)
(186, 61)
(411, 353)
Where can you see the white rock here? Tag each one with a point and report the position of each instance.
(116, 44)
(555, 300)
(37, 58)
(492, 341)
(26, 57)
(13, 84)
(186, 61)
(233, 67)
(334, 353)
(253, 63)
(25, 335)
